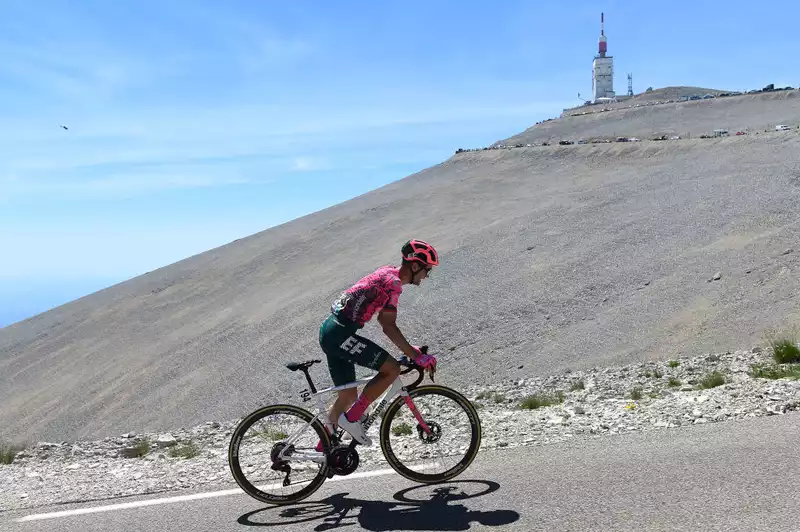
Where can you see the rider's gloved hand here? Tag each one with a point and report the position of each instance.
(426, 361)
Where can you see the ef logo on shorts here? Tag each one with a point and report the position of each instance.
(353, 349)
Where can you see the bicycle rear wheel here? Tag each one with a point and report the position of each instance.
(452, 445)
(272, 453)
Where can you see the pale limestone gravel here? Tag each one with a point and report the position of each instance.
(50, 473)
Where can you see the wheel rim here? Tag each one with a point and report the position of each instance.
(423, 457)
(255, 450)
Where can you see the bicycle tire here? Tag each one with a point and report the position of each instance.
(472, 451)
(241, 429)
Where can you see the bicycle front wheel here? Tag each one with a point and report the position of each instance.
(272, 454)
(435, 456)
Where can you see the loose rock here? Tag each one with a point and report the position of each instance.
(49, 473)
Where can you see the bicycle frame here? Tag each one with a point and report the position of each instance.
(397, 388)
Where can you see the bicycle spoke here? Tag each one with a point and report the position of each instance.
(440, 453)
(276, 454)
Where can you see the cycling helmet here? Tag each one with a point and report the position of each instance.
(419, 251)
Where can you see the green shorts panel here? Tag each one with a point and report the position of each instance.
(344, 348)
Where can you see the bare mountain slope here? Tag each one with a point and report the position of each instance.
(662, 94)
(751, 111)
(673, 93)
(552, 258)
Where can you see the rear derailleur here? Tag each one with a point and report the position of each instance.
(279, 464)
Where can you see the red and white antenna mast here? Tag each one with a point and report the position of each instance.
(601, 44)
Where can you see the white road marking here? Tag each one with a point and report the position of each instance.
(180, 498)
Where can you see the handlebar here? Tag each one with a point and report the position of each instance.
(409, 365)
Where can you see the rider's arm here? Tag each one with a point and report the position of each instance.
(387, 317)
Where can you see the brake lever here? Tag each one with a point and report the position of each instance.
(424, 350)
(407, 361)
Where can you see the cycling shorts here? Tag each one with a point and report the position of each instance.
(344, 348)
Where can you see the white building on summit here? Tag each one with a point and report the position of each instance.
(602, 68)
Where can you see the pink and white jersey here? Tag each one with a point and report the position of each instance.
(378, 290)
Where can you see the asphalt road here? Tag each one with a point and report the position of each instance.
(724, 476)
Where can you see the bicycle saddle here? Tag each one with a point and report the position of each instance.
(294, 366)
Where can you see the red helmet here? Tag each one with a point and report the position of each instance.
(419, 251)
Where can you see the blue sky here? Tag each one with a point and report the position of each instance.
(195, 123)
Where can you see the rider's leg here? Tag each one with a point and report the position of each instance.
(346, 398)
(343, 401)
(388, 373)
(344, 347)
(342, 372)
(367, 353)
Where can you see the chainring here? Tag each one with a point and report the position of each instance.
(343, 460)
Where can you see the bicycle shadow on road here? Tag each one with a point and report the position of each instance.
(425, 507)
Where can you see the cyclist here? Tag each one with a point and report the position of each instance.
(377, 292)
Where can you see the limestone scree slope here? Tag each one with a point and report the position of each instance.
(552, 257)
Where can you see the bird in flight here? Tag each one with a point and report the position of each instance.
(64, 127)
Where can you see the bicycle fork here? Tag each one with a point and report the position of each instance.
(417, 415)
(397, 389)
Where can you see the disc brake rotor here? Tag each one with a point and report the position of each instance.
(432, 436)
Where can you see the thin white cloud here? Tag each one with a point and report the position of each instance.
(119, 145)
(134, 183)
(113, 248)
(125, 184)
(229, 125)
(221, 141)
(309, 164)
(250, 43)
(83, 72)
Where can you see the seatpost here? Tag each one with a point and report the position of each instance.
(308, 378)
